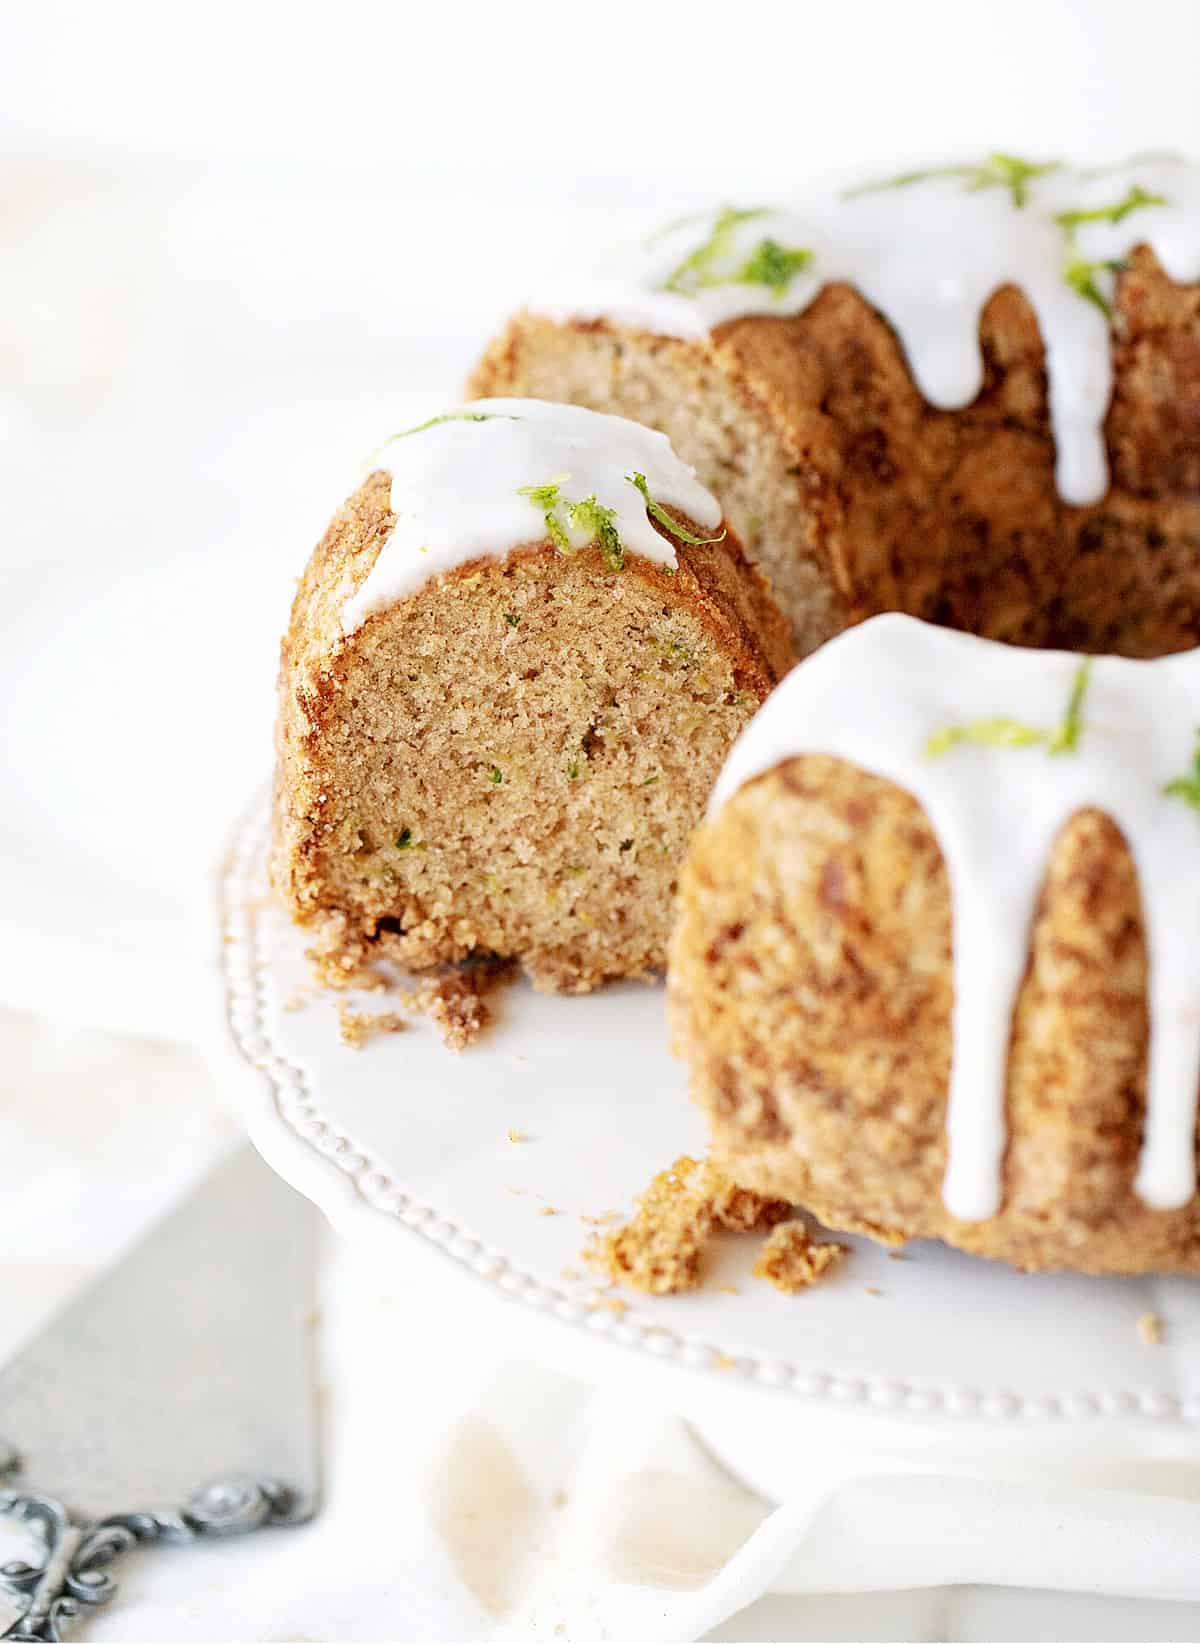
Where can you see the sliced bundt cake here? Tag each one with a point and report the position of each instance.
(515, 664)
(971, 394)
(935, 967)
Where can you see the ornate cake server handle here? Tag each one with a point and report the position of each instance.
(72, 1568)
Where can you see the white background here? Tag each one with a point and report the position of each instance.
(239, 244)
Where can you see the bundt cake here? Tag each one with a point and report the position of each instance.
(971, 394)
(935, 968)
(515, 664)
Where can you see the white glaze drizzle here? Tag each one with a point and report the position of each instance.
(874, 696)
(929, 255)
(457, 484)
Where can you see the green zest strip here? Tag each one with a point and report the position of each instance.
(1187, 787)
(773, 265)
(600, 524)
(587, 514)
(1002, 732)
(456, 416)
(546, 498)
(1080, 275)
(433, 422)
(696, 268)
(770, 264)
(659, 513)
(991, 733)
(1135, 199)
(1066, 737)
(997, 171)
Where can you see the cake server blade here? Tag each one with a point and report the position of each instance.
(175, 1397)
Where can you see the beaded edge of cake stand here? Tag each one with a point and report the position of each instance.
(246, 976)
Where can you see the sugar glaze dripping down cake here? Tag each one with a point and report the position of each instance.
(970, 393)
(935, 968)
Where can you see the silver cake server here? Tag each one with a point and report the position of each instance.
(183, 1377)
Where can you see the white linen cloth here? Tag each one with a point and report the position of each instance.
(474, 1495)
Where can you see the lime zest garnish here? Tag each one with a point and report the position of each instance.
(1187, 787)
(997, 171)
(1004, 732)
(998, 732)
(696, 268)
(1136, 198)
(587, 514)
(432, 422)
(455, 416)
(1080, 274)
(773, 265)
(547, 497)
(659, 513)
(600, 524)
(1066, 737)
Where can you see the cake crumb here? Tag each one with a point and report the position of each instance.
(730, 1290)
(547, 1210)
(608, 1304)
(516, 1136)
(739, 1208)
(558, 1500)
(872, 1290)
(358, 1027)
(454, 1001)
(1151, 1328)
(722, 1361)
(570, 1273)
(452, 998)
(660, 1249)
(339, 971)
(793, 1260)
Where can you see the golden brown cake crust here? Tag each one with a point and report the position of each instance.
(810, 993)
(952, 516)
(463, 774)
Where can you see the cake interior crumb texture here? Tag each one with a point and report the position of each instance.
(509, 762)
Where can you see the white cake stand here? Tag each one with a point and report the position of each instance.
(956, 1367)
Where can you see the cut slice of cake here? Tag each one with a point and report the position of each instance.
(515, 664)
